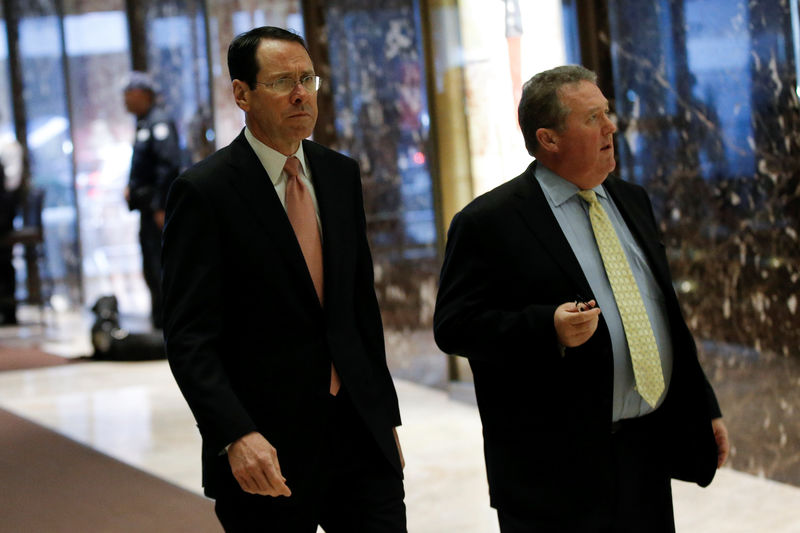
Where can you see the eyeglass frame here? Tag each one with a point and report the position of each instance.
(272, 84)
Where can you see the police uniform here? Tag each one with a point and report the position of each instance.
(154, 165)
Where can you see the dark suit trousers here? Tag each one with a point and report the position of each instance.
(641, 492)
(358, 489)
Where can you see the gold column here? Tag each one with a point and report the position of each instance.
(445, 74)
(452, 167)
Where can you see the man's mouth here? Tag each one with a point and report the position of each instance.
(300, 112)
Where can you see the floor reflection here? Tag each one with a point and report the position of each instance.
(135, 412)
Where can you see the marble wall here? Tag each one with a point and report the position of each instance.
(709, 121)
(377, 77)
(378, 83)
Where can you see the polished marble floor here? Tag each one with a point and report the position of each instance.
(134, 412)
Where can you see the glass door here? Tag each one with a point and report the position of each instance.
(49, 143)
(97, 52)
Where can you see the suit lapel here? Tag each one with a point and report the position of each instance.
(333, 206)
(256, 191)
(532, 206)
(638, 220)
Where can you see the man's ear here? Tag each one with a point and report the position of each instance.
(241, 94)
(548, 139)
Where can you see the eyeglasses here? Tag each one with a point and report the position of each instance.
(287, 85)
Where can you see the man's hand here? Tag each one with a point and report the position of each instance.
(723, 444)
(399, 449)
(254, 462)
(576, 322)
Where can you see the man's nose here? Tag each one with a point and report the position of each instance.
(299, 93)
(611, 123)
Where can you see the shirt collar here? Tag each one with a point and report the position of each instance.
(272, 160)
(557, 188)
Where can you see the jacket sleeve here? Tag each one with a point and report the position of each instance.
(474, 316)
(192, 285)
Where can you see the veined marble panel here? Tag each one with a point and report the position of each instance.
(709, 123)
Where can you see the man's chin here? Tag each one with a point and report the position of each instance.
(304, 131)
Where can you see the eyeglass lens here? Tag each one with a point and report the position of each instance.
(287, 85)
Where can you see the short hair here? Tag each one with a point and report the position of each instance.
(540, 105)
(242, 61)
(139, 80)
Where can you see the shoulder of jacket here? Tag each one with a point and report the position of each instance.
(207, 172)
(621, 186)
(497, 200)
(314, 149)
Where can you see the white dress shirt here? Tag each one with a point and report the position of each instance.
(273, 162)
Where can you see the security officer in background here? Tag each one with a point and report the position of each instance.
(154, 165)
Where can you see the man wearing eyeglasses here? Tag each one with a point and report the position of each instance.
(272, 325)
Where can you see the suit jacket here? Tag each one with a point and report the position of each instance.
(247, 339)
(547, 417)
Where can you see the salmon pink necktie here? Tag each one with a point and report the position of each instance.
(303, 218)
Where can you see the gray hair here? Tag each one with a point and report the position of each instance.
(540, 105)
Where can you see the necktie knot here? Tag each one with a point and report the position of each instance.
(292, 167)
(588, 195)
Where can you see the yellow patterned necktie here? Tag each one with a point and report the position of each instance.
(641, 341)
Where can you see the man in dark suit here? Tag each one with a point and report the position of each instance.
(588, 408)
(272, 325)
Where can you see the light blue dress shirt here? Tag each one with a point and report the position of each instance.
(572, 214)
